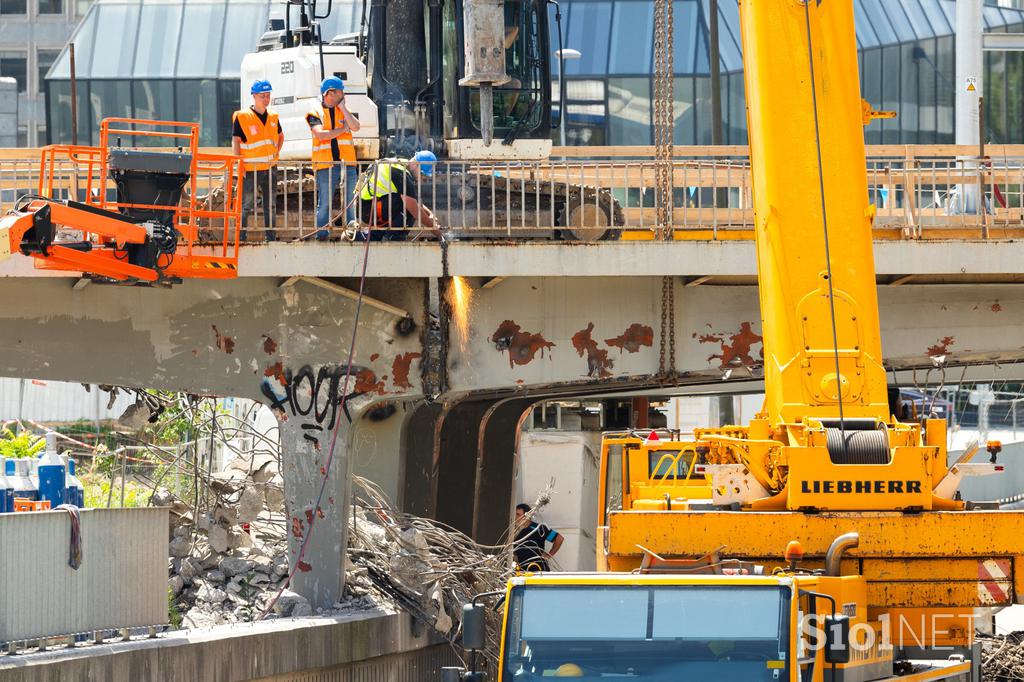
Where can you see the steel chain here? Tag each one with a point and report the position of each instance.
(664, 327)
(663, 116)
(664, 123)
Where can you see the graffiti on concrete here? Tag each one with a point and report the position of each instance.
(313, 396)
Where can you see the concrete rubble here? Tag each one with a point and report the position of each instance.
(1003, 658)
(228, 565)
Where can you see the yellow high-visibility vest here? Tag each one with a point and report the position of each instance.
(259, 150)
(322, 156)
(378, 181)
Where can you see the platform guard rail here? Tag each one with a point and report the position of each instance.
(919, 191)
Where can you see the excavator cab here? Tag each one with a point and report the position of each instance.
(522, 106)
(132, 215)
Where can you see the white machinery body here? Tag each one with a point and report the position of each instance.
(294, 75)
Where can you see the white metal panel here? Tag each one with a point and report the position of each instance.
(121, 582)
(56, 401)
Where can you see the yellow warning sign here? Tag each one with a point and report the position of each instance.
(972, 84)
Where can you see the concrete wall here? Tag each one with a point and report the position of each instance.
(571, 461)
(359, 647)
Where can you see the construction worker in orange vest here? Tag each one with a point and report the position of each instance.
(257, 137)
(332, 125)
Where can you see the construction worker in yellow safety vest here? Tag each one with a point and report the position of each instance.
(257, 137)
(390, 197)
(332, 125)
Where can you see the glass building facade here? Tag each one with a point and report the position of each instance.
(180, 60)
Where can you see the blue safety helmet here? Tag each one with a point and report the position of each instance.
(426, 159)
(260, 86)
(331, 83)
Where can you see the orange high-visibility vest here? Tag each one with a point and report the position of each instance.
(259, 150)
(322, 157)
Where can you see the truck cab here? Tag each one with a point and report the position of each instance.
(794, 625)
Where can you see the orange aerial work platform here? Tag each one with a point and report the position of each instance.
(132, 214)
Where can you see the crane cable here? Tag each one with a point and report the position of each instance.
(824, 219)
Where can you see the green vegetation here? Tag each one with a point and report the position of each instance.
(19, 445)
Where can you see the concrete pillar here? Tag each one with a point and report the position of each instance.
(970, 68)
(320, 574)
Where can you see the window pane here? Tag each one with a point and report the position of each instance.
(936, 17)
(51, 6)
(199, 54)
(345, 18)
(922, 27)
(898, 21)
(197, 101)
(910, 95)
(629, 111)
(588, 32)
(13, 7)
(83, 39)
(865, 32)
(729, 36)
(871, 86)
(158, 41)
(946, 96)
(736, 132)
(107, 99)
(879, 21)
(245, 26)
(58, 104)
(153, 100)
(228, 104)
(702, 99)
(891, 93)
(928, 85)
(44, 60)
(684, 111)
(685, 27)
(113, 53)
(15, 65)
(632, 38)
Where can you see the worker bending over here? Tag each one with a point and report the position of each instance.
(390, 197)
(531, 541)
(332, 125)
(257, 137)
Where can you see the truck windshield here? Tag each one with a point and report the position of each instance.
(659, 633)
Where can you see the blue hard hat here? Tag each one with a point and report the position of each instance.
(260, 86)
(331, 83)
(426, 159)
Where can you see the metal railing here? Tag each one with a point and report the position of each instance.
(919, 192)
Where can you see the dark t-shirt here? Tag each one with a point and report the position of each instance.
(236, 128)
(529, 547)
(314, 120)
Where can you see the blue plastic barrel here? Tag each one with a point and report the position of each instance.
(52, 474)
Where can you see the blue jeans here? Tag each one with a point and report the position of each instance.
(327, 179)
